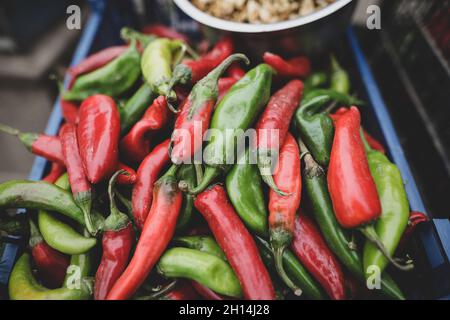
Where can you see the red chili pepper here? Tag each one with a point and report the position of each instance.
(224, 85)
(415, 218)
(206, 293)
(156, 235)
(135, 146)
(129, 178)
(195, 114)
(163, 31)
(235, 71)
(373, 143)
(282, 208)
(118, 237)
(273, 125)
(81, 188)
(292, 68)
(51, 264)
(42, 145)
(147, 174)
(95, 61)
(98, 136)
(69, 111)
(236, 242)
(313, 252)
(191, 71)
(55, 172)
(352, 189)
(183, 291)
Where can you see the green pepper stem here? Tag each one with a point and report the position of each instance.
(9, 130)
(84, 201)
(367, 146)
(312, 168)
(209, 175)
(278, 256)
(198, 172)
(35, 235)
(116, 220)
(214, 75)
(160, 293)
(369, 232)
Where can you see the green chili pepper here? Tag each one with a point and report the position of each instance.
(186, 173)
(245, 190)
(202, 267)
(313, 81)
(315, 181)
(42, 196)
(205, 244)
(135, 107)
(394, 208)
(113, 79)
(23, 285)
(235, 113)
(157, 61)
(297, 273)
(339, 80)
(316, 128)
(61, 236)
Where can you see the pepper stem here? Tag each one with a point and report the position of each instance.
(209, 175)
(35, 235)
(264, 169)
(278, 256)
(159, 293)
(367, 146)
(116, 220)
(84, 201)
(9, 130)
(214, 75)
(369, 232)
(198, 172)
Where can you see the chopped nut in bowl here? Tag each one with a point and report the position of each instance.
(288, 27)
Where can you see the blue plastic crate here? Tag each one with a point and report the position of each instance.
(102, 29)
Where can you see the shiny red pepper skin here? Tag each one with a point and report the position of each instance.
(50, 263)
(235, 71)
(98, 136)
(183, 291)
(74, 164)
(69, 110)
(352, 189)
(48, 147)
(135, 146)
(95, 61)
(415, 218)
(276, 118)
(163, 31)
(313, 252)
(236, 242)
(116, 250)
(156, 235)
(126, 179)
(147, 174)
(206, 293)
(55, 172)
(373, 143)
(293, 68)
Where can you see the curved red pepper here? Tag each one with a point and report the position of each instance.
(163, 31)
(156, 235)
(50, 263)
(147, 174)
(352, 189)
(135, 146)
(129, 178)
(283, 208)
(81, 188)
(55, 172)
(236, 242)
(313, 252)
(98, 136)
(415, 218)
(95, 61)
(118, 238)
(273, 125)
(293, 68)
(195, 114)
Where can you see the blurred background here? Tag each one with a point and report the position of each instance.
(409, 57)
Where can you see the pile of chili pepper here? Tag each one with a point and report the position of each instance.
(127, 209)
